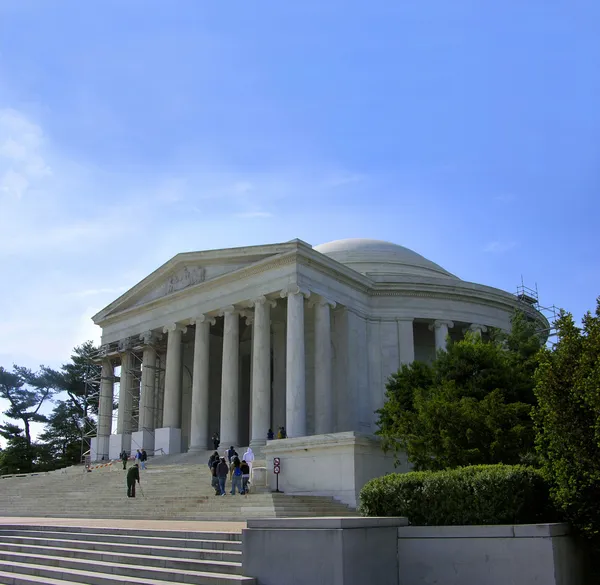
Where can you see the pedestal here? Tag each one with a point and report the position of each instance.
(334, 465)
(143, 439)
(117, 443)
(167, 441)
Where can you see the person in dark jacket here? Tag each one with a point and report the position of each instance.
(216, 440)
(214, 478)
(133, 475)
(144, 458)
(124, 458)
(222, 473)
(270, 435)
(230, 454)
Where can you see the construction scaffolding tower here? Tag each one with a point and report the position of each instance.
(130, 387)
(530, 297)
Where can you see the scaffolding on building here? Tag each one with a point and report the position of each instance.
(129, 382)
(530, 298)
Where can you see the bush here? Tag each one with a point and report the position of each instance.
(481, 494)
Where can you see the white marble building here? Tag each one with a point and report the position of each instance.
(242, 340)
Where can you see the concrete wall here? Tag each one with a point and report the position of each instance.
(487, 555)
(321, 551)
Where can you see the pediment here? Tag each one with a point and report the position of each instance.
(189, 270)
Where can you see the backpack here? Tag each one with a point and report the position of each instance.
(237, 471)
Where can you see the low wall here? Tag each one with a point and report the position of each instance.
(488, 555)
(336, 465)
(321, 551)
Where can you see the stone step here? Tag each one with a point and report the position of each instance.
(127, 567)
(70, 547)
(179, 535)
(18, 573)
(84, 539)
(231, 564)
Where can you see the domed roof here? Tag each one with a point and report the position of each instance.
(380, 257)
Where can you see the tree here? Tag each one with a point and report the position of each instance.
(79, 379)
(567, 420)
(25, 391)
(18, 456)
(471, 406)
(62, 435)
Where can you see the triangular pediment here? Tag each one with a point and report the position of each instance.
(192, 269)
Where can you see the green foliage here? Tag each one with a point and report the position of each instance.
(18, 456)
(471, 406)
(71, 378)
(482, 494)
(25, 392)
(567, 420)
(62, 435)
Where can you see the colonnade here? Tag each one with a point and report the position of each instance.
(292, 366)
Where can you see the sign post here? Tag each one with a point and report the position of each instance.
(277, 471)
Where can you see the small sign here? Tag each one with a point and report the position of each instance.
(276, 465)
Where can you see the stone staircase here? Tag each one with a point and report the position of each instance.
(177, 492)
(55, 555)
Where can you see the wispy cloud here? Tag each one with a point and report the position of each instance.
(498, 247)
(21, 162)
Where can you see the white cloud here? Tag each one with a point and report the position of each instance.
(22, 163)
(498, 247)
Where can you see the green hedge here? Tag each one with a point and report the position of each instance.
(481, 494)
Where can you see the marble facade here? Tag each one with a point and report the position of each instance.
(246, 339)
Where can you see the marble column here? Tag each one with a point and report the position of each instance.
(295, 379)
(147, 390)
(229, 430)
(172, 399)
(278, 375)
(143, 436)
(440, 328)
(323, 367)
(124, 422)
(406, 340)
(200, 385)
(261, 371)
(477, 329)
(105, 408)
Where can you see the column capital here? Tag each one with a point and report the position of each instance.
(228, 310)
(408, 319)
(477, 328)
(294, 289)
(200, 319)
(441, 323)
(150, 337)
(261, 300)
(171, 327)
(321, 301)
(125, 345)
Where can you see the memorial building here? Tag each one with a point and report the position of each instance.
(242, 340)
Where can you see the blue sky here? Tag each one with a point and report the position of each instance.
(133, 130)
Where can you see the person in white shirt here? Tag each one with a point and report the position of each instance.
(249, 459)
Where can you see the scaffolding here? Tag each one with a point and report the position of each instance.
(130, 386)
(529, 297)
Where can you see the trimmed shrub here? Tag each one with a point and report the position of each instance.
(480, 494)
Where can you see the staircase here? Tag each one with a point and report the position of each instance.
(176, 492)
(54, 555)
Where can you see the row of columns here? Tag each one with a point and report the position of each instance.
(292, 366)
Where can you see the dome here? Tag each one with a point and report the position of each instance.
(380, 257)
